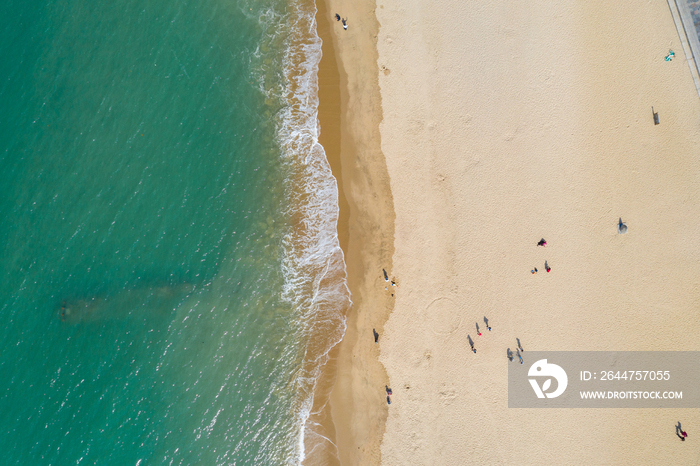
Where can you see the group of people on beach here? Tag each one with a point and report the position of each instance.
(519, 350)
(542, 243)
(343, 20)
(478, 332)
(682, 434)
(374, 331)
(509, 353)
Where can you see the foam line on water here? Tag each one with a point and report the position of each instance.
(313, 264)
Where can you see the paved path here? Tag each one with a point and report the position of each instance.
(686, 15)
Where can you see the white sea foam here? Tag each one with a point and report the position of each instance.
(313, 263)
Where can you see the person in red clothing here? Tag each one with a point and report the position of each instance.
(680, 432)
(542, 242)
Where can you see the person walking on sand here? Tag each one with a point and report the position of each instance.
(547, 267)
(542, 242)
(337, 17)
(684, 434)
(345, 24)
(388, 390)
(621, 226)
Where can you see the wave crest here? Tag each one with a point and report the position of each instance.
(313, 263)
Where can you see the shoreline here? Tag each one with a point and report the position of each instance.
(349, 115)
(323, 452)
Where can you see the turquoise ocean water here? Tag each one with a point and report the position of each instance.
(171, 276)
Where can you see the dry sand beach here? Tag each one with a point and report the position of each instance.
(495, 124)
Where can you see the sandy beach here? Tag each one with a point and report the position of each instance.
(350, 112)
(468, 131)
